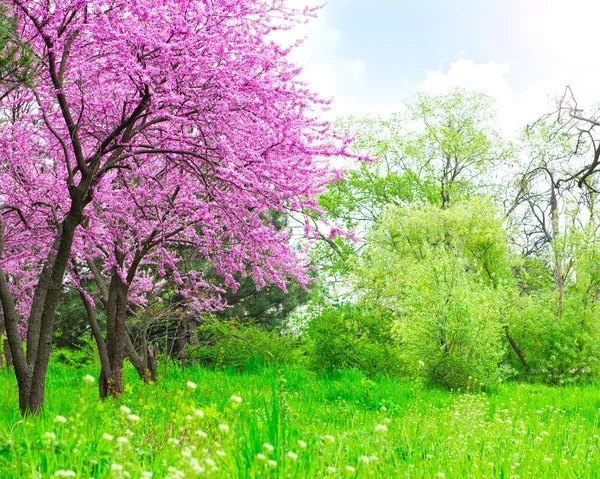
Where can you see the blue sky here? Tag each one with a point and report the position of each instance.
(371, 55)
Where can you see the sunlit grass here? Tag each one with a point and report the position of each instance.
(196, 423)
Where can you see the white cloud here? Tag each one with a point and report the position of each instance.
(554, 33)
(515, 110)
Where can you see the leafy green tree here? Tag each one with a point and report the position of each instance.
(440, 150)
(443, 274)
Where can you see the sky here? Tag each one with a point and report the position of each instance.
(372, 55)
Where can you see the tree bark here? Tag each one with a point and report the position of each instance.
(517, 350)
(7, 355)
(559, 275)
(145, 366)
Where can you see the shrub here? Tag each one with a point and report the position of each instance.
(441, 274)
(560, 351)
(348, 336)
(223, 344)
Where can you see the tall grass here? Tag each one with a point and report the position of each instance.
(292, 423)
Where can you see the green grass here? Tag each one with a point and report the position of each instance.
(518, 431)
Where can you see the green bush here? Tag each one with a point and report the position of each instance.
(223, 344)
(560, 351)
(441, 274)
(348, 336)
(78, 356)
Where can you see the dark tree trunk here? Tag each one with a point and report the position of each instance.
(3, 343)
(117, 344)
(111, 377)
(111, 382)
(7, 355)
(517, 350)
(146, 365)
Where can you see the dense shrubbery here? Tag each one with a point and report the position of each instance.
(441, 275)
(556, 352)
(348, 336)
(223, 344)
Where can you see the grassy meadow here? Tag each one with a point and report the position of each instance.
(292, 423)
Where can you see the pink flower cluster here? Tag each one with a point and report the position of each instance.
(191, 127)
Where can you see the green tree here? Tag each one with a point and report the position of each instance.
(439, 150)
(443, 274)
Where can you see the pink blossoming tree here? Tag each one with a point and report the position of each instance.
(149, 125)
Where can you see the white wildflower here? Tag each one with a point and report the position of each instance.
(186, 452)
(268, 447)
(224, 428)
(381, 428)
(63, 473)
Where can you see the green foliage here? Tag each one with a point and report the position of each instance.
(441, 274)
(557, 352)
(224, 344)
(81, 356)
(269, 306)
(563, 347)
(16, 58)
(437, 151)
(72, 328)
(348, 336)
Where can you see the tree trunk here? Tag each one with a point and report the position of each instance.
(3, 343)
(31, 366)
(517, 349)
(559, 275)
(145, 366)
(7, 355)
(111, 382)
